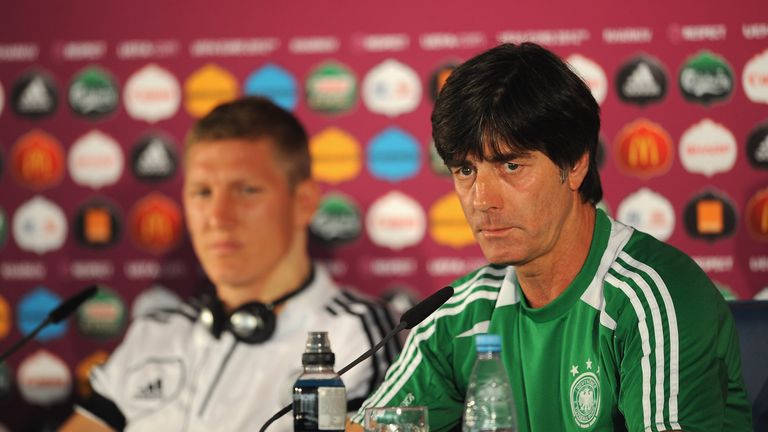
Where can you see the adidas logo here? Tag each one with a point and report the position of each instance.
(151, 390)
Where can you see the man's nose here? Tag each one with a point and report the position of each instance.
(222, 210)
(487, 194)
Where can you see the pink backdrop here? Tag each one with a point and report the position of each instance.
(421, 36)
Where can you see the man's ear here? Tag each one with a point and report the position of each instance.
(306, 200)
(578, 172)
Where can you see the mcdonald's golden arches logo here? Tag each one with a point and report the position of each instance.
(37, 160)
(644, 149)
(156, 223)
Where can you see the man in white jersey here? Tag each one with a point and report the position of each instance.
(604, 327)
(228, 362)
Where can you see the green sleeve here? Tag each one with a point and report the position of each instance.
(422, 375)
(678, 365)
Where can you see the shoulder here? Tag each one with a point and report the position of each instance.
(650, 279)
(472, 303)
(161, 323)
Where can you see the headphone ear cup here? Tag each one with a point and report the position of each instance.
(213, 317)
(252, 323)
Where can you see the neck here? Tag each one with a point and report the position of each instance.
(539, 283)
(288, 275)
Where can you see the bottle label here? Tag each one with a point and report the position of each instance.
(331, 407)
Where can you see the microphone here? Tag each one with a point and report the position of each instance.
(411, 318)
(57, 315)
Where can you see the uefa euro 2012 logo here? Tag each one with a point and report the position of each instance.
(585, 394)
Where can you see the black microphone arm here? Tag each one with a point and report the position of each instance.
(54, 317)
(410, 319)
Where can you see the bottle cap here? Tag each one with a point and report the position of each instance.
(318, 350)
(488, 342)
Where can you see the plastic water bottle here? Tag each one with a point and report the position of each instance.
(489, 405)
(319, 396)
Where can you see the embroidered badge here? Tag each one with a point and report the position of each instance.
(585, 395)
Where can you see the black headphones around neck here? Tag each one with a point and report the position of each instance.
(252, 322)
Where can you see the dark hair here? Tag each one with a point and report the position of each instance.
(519, 98)
(254, 118)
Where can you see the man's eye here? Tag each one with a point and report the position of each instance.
(511, 166)
(465, 171)
(200, 192)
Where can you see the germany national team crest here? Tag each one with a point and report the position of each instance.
(585, 394)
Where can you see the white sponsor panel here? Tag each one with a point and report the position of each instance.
(754, 79)
(152, 94)
(649, 212)
(762, 294)
(95, 160)
(391, 88)
(44, 379)
(395, 221)
(39, 226)
(708, 148)
(592, 74)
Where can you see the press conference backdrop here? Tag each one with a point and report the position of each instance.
(95, 100)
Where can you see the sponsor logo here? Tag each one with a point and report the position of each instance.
(83, 372)
(649, 212)
(757, 147)
(154, 158)
(37, 160)
(336, 156)
(152, 94)
(706, 78)
(391, 267)
(156, 223)
(35, 95)
(447, 224)
(155, 380)
(34, 308)
(153, 299)
(90, 270)
(757, 215)
(395, 221)
(644, 149)
(707, 148)
(592, 74)
(274, 83)
(44, 379)
(453, 267)
(95, 160)
(5, 319)
(754, 78)
(331, 88)
(394, 155)
(103, 316)
(400, 298)
(436, 162)
(39, 226)
(709, 216)
(762, 294)
(208, 87)
(93, 93)
(6, 384)
(438, 79)
(585, 394)
(23, 270)
(97, 224)
(391, 88)
(641, 81)
(337, 221)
